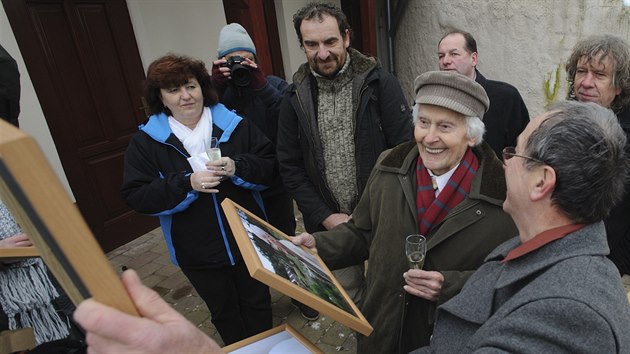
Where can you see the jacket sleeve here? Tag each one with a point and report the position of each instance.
(255, 165)
(547, 326)
(148, 190)
(349, 243)
(396, 120)
(293, 169)
(271, 96)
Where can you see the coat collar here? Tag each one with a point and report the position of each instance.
(475, 303)
(589, 240)
(360, 63)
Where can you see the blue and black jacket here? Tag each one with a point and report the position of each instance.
(156, 181)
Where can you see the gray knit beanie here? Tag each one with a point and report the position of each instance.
(234, 37)
(453, 91)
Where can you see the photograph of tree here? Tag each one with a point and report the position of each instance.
(291, 262)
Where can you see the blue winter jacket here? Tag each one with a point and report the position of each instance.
(156, 181)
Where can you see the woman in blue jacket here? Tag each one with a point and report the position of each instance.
(167, 174)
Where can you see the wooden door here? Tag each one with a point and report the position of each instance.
(258, 17)
(84, 63)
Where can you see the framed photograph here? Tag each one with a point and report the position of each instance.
(281, 339)
(294, 271)
(39, 203)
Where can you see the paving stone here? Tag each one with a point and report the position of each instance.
(336, 334)
(119, 261)
(164, 259)
(174, 280)
(148, 269)
(167, 270)
(152, 280)
(197, 316)
(141, 259)
(187, 304)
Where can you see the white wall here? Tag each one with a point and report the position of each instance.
(520, 42)
(31, 116)
(189, 27)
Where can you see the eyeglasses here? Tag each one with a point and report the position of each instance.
(510, 151)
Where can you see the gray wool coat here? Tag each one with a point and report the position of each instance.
(565, 297)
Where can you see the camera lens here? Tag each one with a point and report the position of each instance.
(240, 75)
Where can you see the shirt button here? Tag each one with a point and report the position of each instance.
(478, 212)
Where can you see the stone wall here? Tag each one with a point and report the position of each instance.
(521, 42)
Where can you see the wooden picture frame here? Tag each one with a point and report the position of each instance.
(294, 271)
(264, 342)
(35, 197)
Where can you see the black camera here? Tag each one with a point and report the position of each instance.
(239, 72)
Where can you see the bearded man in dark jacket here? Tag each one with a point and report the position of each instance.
(340, 113)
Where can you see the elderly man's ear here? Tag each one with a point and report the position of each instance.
(544, 181)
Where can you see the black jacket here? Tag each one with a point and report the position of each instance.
(618, 222)
(156, 181)
(507, 116)
(262, 108)
(382, 120)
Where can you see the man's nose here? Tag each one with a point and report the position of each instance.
(323, 52)
(432, 135)
(588, 80)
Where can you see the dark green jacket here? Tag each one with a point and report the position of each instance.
(385, 214)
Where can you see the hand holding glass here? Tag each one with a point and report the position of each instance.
(212, 149)
(416, 250)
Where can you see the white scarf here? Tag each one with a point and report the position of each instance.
(193, 139)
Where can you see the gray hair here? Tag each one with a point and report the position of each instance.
(607, 45)
(584, 144)
(475, 129)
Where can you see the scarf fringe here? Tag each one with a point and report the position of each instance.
(27, 292)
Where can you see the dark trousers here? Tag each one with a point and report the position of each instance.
(240, 305)
(279, 210)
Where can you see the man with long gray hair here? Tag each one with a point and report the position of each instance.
(550, 290)
(598, 71)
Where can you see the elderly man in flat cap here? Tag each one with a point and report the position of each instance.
(448, 186)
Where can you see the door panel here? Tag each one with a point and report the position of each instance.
(258, 17)
(84, 63)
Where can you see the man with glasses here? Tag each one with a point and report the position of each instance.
(551, 289)
(462, 220)
(598, 71)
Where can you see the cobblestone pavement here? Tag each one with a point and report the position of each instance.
(149, 256)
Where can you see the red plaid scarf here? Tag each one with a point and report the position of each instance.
(431, 211)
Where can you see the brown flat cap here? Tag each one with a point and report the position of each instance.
(453, 91)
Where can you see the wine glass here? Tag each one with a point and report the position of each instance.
(212, 148)
(416, 250)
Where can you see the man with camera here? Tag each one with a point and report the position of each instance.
(243, 87)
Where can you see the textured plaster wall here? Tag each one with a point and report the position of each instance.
(520, 42)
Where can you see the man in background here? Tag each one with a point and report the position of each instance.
(598, 71)
(342, 110)
(507, 116)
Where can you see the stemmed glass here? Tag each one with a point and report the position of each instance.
(212, 149)
(416, 250)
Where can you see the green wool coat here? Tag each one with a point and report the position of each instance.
(385, 215)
